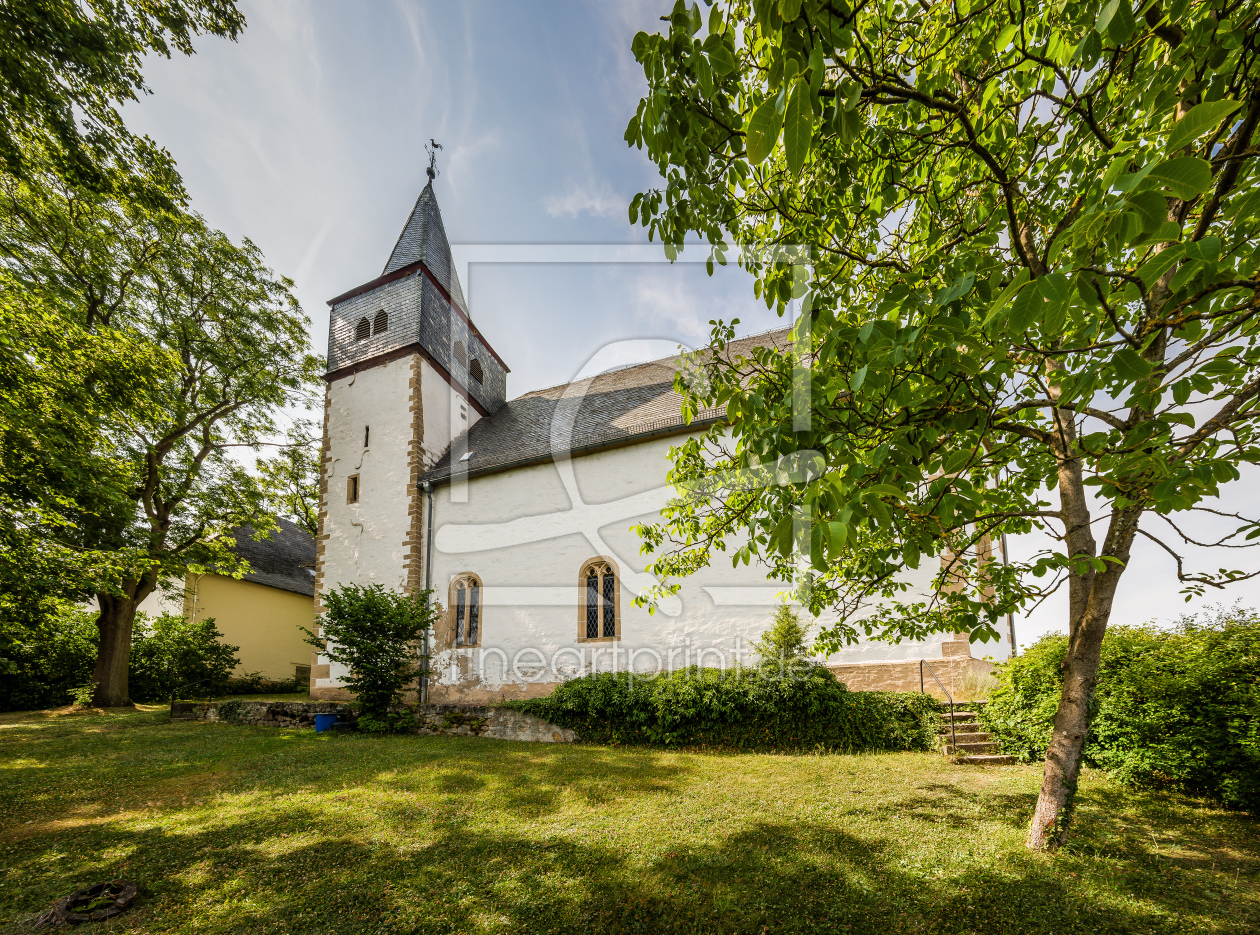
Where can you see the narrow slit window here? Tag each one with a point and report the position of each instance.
(363, 331)
(367, 434)
(352, 488)
(381, 322)
(465, 602)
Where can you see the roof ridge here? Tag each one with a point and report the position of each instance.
(645, 363)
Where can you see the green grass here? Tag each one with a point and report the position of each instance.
(240, 830)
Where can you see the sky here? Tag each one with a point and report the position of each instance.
(307, 136)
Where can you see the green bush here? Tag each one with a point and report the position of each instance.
(50, 663)
(1176, 708)
(738, 709)
(170, 654)
(375, 634)
(42, 662)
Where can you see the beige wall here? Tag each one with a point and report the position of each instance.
(264, 622)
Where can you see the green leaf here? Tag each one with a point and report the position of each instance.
(960, 287)
(1005, 36)
(1185, 176)
(1150, 271)
(1025, 311)
(762, 131)
(1202, 117)
(1007, 293)
(1054, 287)
(859, 377)
(1105, 15)
(1116, 19)
(1151, 207)
(798, 127)
(1130, 366)
(1114, 171)
(1181, 391)
(722, 60)
(1208, 249)
(1055, 318)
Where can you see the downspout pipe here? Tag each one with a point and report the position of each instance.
(428, 580)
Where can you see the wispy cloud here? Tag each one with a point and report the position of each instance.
(595, 198)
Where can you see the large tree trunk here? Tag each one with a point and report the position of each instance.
(116, 619)
(1080, 678)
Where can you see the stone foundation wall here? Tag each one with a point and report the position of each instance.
(449, 720)
(955, 673)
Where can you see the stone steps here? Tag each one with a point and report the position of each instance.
(964, 739)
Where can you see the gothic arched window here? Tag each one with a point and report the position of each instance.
(465, 610)
(600, 617)
(461, 354)
(364, 330)
(474, 370)
(381, 322)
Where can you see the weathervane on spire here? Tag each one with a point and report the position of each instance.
(431, 148)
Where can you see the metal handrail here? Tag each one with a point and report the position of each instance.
(953, 735)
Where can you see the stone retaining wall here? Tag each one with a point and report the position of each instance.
(450, 720)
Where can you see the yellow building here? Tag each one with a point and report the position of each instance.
(264, 612)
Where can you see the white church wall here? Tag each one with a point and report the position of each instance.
(365, 539)
(526, 533)
(446, 413)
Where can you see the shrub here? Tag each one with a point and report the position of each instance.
(374, 633)
(1177, 709)
(782, 646)
(255, 683)
(738, 709)
(50, 663)
(170, 654)
(47, 660)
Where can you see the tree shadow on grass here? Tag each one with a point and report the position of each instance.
(246, 877)
(433, 835)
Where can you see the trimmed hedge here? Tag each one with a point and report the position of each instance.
(1176, 709)
(740, 709)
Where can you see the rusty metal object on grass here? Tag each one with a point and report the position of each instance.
(90, 904)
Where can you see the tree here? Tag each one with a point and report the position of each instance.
(291, 478)
(65, 65)
(376, 634)
(1022, 239)
(147, 489)
(782, 646)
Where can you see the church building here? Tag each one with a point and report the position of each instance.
(518, 512)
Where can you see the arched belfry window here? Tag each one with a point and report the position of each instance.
(380, 323)
(364, 330)
(461, 354)
(474, 370)
(465, 610)
(600, 605)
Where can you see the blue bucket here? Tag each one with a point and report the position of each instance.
(324, 722)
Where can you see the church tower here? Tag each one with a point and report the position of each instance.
(408, 372)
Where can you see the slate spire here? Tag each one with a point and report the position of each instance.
(424, 239)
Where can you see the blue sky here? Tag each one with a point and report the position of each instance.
(308, 137)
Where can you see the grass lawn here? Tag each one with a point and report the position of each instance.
(239, 830)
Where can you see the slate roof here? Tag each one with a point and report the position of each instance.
(423, 238)
(284, 560)
(621, 405)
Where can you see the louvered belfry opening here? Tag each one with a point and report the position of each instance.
(600, 587)
(363, 330)
(381, 323)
